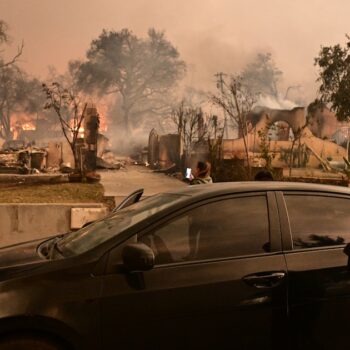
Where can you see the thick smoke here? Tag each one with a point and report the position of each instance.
(211, 36)
(275, 103)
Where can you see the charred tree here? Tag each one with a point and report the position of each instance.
(236, 100)
(140, 72)
(71, 112)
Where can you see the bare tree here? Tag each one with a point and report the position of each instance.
(11, 78)
(215, 132)
(297, 139)
(237, 101)
(14, 59)
(5, 39)
(70, 111)
(18, 93)
(190, 127)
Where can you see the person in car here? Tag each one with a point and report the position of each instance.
(202, 174)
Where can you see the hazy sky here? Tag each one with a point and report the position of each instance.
(211, 35)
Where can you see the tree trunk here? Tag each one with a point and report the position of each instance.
(244, 135)
(299, 155)
(6, 124)
(76, 156)
(126, 120)
(242, 124)
(291, 158)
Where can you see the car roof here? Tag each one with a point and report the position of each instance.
(220, 188)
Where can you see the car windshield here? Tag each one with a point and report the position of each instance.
(92, 235)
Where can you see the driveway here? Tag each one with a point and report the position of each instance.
(120, 183)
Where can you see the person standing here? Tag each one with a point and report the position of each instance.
(263, 175)
(202, 174)
(196, 224)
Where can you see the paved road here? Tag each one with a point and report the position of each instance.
(120, 183)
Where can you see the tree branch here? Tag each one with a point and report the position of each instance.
(15, 58)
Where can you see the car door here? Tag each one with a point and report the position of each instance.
(315, 228)
(219, 281)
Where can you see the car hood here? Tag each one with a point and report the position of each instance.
(20, 255)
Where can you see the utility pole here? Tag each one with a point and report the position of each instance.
(220, 85)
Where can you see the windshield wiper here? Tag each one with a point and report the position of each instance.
(47, 248)
(55, 248)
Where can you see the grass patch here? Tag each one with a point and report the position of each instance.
(54, 193)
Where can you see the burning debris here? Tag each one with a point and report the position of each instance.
(23, 155)
(109, 161)
(15, 158)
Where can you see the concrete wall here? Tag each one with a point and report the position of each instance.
(59, 151)
(169, 150)
(24, 222)
(324, 148)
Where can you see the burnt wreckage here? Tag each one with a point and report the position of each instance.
(321, 141)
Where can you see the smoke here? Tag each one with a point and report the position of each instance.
(120, 142)
(211, 35)
(275, 103)
(123, 144)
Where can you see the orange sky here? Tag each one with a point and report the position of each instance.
(211, 35)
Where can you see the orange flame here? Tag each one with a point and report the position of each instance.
(28, 126)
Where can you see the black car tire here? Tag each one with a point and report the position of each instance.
(28, 342)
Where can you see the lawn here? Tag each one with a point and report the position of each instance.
(53, 193)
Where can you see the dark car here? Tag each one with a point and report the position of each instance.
(256, 265)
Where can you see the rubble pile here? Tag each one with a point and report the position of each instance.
(140, 157)
(55, 156)
(9, 163)
(110, 161)
(17, 159)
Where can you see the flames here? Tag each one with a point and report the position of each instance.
(103, 123)
(22, 126)
(28, 126)
(20, 122)
(81, 132)
(23, 122)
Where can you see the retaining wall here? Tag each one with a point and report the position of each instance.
(24, 222)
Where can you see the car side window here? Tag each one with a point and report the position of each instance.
(226, 228)
(318, 221)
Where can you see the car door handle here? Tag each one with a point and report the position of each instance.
(265, 279)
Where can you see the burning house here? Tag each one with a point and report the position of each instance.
(39, 145)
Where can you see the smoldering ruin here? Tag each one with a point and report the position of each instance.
(321, 144)
(126, 101)
(42, 149)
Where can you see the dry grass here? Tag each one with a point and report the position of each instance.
(53, 193)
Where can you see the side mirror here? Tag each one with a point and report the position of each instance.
(138, 257)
